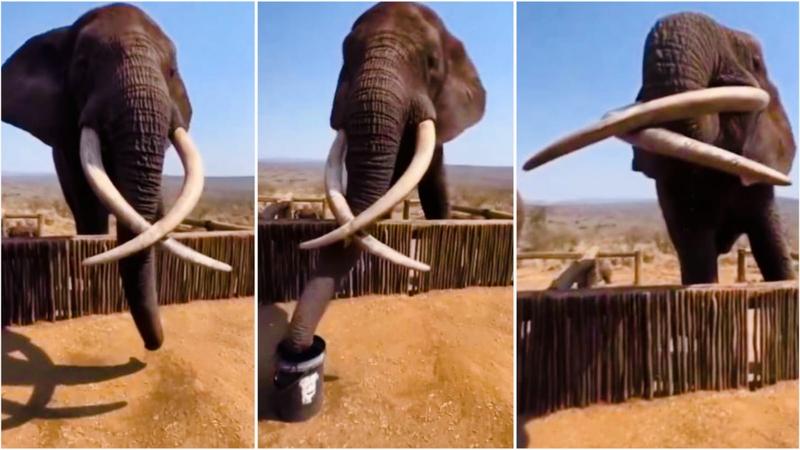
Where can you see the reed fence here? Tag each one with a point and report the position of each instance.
(577, 348)
(43, 278)
(461, 253)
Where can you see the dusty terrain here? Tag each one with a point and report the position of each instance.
(765, 418)
(433, 370)
(475, 186)
(621, 226)
(226, 199)
(89, 382)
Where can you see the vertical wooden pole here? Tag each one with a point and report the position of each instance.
(406, 209)
(39, 224)
(741, 266)
(637, 268)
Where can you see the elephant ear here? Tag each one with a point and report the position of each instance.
(182, 114)
(462, 100)
(770, 140)
(35, 94)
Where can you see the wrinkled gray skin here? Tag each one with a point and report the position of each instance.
(705, 210)
(401, 66)
(113, 70)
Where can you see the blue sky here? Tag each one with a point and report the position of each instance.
(215, 44)
(300, 56)
(579, 60)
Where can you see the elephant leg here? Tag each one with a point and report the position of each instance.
(335, 261)
(90, 215)
(138, 274)
(769, 246)
(693, 238)
(433, 188)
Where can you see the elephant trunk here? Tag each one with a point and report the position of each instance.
(374, 129)
(378, 114)
(137, 141)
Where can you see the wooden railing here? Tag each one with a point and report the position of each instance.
(741, 263)
(289, 202)
(636, 255)
(214, 225)
(38, 217)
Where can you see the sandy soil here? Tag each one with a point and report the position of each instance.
(89, 382)
(434, 370)
(765, 418)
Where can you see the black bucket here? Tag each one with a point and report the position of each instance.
(298, 382)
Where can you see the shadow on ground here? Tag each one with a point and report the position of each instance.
(26, 364)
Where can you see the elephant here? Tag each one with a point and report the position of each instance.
(709, 129)
(406, 87)
(105, 94)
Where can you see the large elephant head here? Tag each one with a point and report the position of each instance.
(105, 93)
(690, 51)
(406, 83)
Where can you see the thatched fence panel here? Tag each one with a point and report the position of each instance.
(43, 278)
(577, 348)
(461, 253)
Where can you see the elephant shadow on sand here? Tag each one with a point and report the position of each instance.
(26, 364)
(273, 324)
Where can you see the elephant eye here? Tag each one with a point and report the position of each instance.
(757, 65)
(172, 72)
(432, 61)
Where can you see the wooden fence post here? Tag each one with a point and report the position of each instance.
(637, 267)
(406, 209)
(741, 266)
(39, 224)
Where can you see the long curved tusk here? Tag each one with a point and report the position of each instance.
(669, 143)
(188, 198)
(92, 164)
(341, 210)
(426, 142)
(665, 109)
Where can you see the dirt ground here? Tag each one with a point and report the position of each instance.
(764, 418)
(89, 382)
(433, 370)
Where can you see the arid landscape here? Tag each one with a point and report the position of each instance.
(89, 382)
(433, 370)
(225, 199)
(475, 186)
(620, 226)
